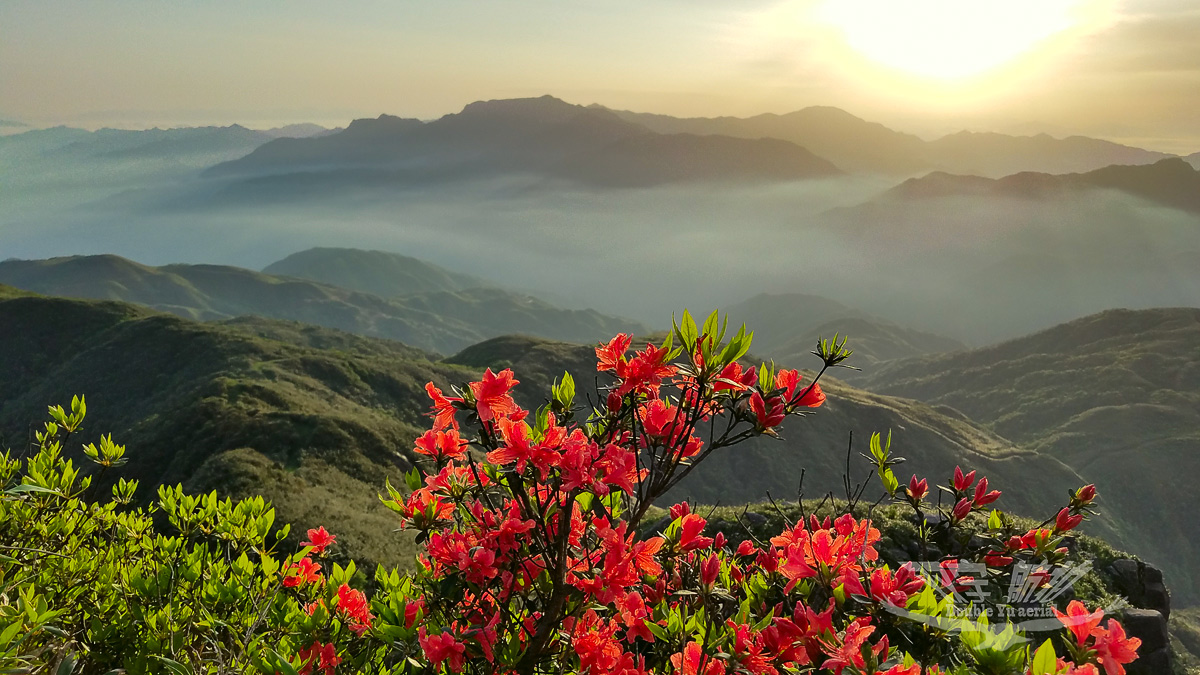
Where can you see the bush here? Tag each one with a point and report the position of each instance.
(536, 557)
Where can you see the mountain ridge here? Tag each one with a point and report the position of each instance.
(542, 136)
(857, 144)
(443, 322)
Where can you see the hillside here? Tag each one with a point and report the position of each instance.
(858, 145)
(240, 407)
(543, 137)
(442, 321)
(376, 272)
(1115, 395)
(791, 324)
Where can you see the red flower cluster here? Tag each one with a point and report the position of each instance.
(536, 558)
(1106, 646)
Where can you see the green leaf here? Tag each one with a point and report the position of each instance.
(413, 479)
(710, 325)
(282, 665)
(995, 522)
(10, 632)
(67, 666)
(1045, 661)
(31, 488)
(658, 631)
(890, 482)
(176, 667)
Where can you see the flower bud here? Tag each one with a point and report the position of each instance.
(917, 489)
(1085, 495)
(709, 570)
(962, 509)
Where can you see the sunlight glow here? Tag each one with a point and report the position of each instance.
(948, 39)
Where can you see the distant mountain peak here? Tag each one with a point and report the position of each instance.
(545, 109)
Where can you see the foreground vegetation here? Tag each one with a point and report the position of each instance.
(536, 556)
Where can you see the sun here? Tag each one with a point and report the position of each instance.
(950, 40)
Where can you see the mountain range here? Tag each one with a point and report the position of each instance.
(858, 145)
(543, 137)
(1171, 182)
(441, 317)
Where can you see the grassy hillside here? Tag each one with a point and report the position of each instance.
(1115, 395)
(310, 418)
(437, 321)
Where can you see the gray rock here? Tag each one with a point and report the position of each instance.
(1154, 655)
(1142, 584)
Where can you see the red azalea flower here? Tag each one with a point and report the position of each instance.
(848, 652)
(962, 509)
(609, 355)
(1079, 621)
(319, 539)
(1065, 522)
(322, 656)
(443, 408)
(982, 496)
(441, 445)
(810, 397)
(353, 604)
(1114, 649)
(492, 396)
(961, 482)
(1085, 495)
(917, 489)
(787, 380)
(689, 533)
(693, 661)
(767, 417)
(441, 648)
(733, 377)
(304, 572)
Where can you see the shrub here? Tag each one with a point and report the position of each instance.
(535, 555)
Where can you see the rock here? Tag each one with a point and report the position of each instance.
(659, 525)
(1142, 584)
(1153, 663)
(1149, 625)
(754, 519)
(1154, 655)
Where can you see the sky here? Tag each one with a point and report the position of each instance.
(1117, 69)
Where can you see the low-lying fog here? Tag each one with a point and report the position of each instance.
(978, 269)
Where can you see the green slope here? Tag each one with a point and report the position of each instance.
(250, 407)
(1116, 395)
(437, 321)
